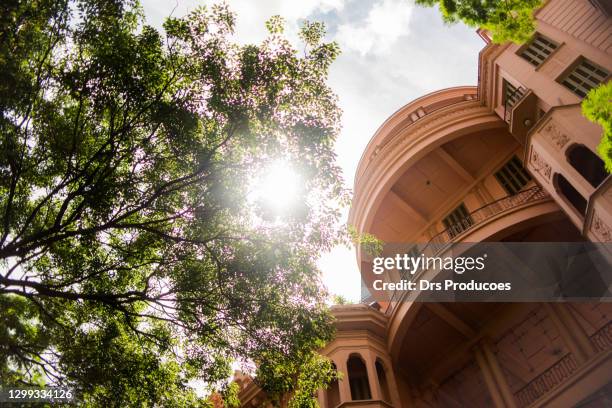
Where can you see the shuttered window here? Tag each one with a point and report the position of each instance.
(458, 220)
(585, 77)
(538, 50)
(513, 176)
(511, 94)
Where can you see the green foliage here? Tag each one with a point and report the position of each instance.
(597, 107)
(303, 370)
(340, 300)
(507, 20)
(18, 331)
(275, 25)
(132, 259)
(315, 373)
(230, 395)
(369, 243)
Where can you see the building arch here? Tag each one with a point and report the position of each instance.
(403, 147)
(587, 163)
(358, 378)
(497, 229)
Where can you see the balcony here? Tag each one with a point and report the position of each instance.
(454, 233)
(552, 378)
(602, 338)
(458, 231)
(547, 381)
(520, 112)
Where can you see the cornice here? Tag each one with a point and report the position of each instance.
(403, 117)
(347, 315)
(342, 341)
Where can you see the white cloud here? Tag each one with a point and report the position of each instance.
(253, 14)
(386, 22)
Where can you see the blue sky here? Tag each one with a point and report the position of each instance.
(392, 52)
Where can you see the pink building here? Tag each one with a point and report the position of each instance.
(511, 159)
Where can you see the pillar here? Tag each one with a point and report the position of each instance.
(496, 395)
(343, 384)
(393, 387)
(375, 392)
(572, 334)
(498, 374)
(322, 398)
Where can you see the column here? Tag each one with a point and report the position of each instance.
(372, 376)
(322, 398)
(571, 332)
(343, 384)
(496, 396)
(394, 388)
(498, 374)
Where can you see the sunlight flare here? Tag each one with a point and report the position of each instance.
(277, 187)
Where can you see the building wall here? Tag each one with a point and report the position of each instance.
(523, 354)
(442, 150)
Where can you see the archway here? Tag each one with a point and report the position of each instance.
(588, 164)
(570, 194)
(358, 378)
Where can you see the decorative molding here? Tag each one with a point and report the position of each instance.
(487, 73)
(540, 165)
(398, 138)
(601, 229)
(556, 136)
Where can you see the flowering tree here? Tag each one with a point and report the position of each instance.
(132, 256)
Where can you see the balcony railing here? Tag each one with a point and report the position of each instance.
(561, 370)
(440, 241)
(546, 381)
(602, 338)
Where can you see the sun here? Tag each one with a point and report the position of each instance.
(277, 187)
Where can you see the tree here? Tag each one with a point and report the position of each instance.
(133, 256)
(597, 107)
(507, 20)
(340, 300)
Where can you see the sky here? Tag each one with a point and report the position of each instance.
(392, 52)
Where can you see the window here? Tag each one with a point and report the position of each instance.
(513, 176)
(458, 221)
(588, 164)
(571, 195)
(538, 50)
(585, 76)
(358, 378)
(512, 94)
